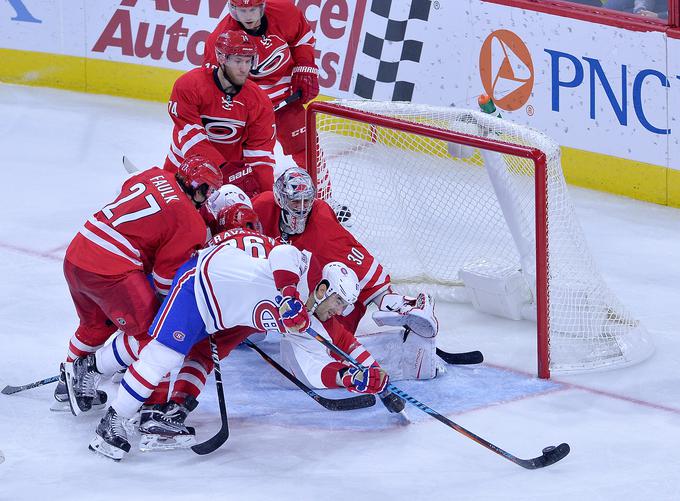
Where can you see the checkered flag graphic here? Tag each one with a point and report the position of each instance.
(392, 50)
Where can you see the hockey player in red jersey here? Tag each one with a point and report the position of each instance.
(151, 228)
(220, 114)
(285, 47)
(292, 214)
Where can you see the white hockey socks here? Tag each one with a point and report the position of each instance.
(121, 353)
(155, 361)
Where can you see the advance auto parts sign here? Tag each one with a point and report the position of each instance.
(506, 69)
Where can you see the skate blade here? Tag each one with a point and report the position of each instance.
(149, 442)
(99, 446)
(65, 406)
(67, 369)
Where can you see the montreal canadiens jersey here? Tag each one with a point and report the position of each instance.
(233, 288)
(219, 126)
(152, 226)
(285, 42)
(328, 241)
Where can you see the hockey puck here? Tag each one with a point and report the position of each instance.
(549, 449)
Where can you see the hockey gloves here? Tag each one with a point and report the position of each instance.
(306, 80)
(293, 312)
(371, 380)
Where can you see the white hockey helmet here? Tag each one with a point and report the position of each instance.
(294, 192)
(226, 196)
(339, 279)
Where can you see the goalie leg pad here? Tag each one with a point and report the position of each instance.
(415, 313)
(414, 358)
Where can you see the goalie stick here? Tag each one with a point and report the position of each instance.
(10, 390)
(215, 442)
(464, 358)
(550, 454)
(340, 404)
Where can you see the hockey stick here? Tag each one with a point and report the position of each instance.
(129, 166)
(290, 99)
(214, 443)
(464, 358)
(551, 454)
(340, 404)
(10, 390)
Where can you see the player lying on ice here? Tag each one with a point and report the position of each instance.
(225, 287)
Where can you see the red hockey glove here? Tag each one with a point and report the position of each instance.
(371, 380)
(293, 312)
(306, 80)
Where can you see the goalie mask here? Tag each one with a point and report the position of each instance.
(341, 280)
(294, 192)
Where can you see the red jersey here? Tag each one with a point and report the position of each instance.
(284, 40)
(152, 226)
(219, 126)
(328, 241)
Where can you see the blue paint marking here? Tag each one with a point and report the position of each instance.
(257, 393)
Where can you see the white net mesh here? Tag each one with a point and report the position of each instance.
(426, 215)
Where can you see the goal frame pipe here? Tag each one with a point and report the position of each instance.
(540, 193)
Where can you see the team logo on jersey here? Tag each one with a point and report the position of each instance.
(266, 317)
(179, 336)
(223, 130)
(227, 103)
(269, 63)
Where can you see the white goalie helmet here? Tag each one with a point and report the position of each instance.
(342, 280)
(226, 196)
(294, 192)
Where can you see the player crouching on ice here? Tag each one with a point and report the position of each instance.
(222, 288)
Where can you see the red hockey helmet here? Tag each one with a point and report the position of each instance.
(238, 216)
(235, 43)
(245, 4)
(198, 174)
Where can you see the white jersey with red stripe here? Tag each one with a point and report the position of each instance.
(234, 288)
(152, 226)
(285, 40)
(221, 127)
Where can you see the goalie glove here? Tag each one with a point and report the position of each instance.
(306, 80)
(293, 312)
(371, 380)
(416, 313)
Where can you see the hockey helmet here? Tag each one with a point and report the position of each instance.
(294, 192)
(235, 43)
(197, 174)
(238, 216)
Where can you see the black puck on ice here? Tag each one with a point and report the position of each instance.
(549, 449)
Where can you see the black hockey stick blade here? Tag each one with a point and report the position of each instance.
(551, 455)
(213, 443)
(465, 358)
(10, 390)
(332, 404)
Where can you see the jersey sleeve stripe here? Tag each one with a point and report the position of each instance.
(282, 80)
(118, 237)
(192, 142)
(382, 289)
(208, 290)
(97, 240)
(165, 308)
(369, 274)
(278, 93)
(173, 158)
(257, 153)
(161, 280)
(187, 129)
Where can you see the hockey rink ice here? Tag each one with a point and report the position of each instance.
(61, 161)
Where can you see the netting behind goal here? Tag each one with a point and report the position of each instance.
(435, 190)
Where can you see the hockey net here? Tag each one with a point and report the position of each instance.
(444, 195)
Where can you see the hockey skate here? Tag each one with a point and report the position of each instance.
(61, 400)
(82, 379)
(111, 439)
(162, 426)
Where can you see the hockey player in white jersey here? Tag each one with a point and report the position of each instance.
(225, 287)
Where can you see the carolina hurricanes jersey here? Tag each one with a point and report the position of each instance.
(328, 241)
(283, 41)
(152, 226)
(219, 126)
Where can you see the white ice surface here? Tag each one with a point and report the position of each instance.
(61, 160)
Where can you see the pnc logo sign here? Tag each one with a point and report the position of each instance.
(506, 69)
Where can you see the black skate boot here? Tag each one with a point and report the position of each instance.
(393, 402)
(82, 379)
(162, 426)
(61, 400)
(111, 439)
